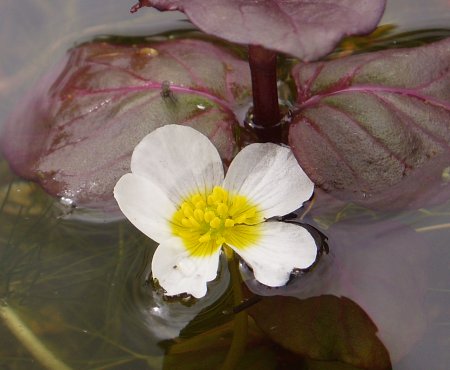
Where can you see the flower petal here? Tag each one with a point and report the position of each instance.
(269, 175)
(179, 272)
(145, 205)
(281, 248)
(179, 159)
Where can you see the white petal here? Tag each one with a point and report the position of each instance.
(282, 248)
(178, 272)
(179, 159)
(145, 205)
(270, 176)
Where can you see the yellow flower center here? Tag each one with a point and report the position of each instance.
(205, 221)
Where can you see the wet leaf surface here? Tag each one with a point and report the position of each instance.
(375, 128)
(76, 132)
(305, 29)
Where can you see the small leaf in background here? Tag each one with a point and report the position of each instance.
(324, 328)
(76, 132)
(375, 128)
(305, 29)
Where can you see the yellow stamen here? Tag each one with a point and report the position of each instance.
(199, 214)
(229, 222)
(205, 221)
(215, 223)
(209, 216)
(222, 209)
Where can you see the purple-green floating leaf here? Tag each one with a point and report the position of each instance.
(375, 128)
(306, 29)
(76, 132)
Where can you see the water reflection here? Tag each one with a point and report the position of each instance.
(166, 318)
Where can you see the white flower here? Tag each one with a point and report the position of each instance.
(178, 196)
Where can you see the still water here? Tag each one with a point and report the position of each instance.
(74, 294)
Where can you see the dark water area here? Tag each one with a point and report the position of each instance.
(74, 294)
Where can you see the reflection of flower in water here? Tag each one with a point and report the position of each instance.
(177, 195)
(165, 319)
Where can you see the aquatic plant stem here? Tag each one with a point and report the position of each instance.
(240, 328)
(433, 228)
(263, 67)
(32, 343)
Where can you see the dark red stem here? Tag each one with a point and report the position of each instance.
(263, 67)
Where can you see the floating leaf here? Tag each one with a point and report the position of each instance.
(305, 29)
(323, 328)
(76, 132)
(375, 128)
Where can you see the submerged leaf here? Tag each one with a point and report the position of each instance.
(375, 128)
(324, 328)
(305, 29)
(209, 349)
(76, 132)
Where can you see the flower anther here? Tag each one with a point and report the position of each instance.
(206, 221)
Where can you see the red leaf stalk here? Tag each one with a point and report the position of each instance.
(263, 67)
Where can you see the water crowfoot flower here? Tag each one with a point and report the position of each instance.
(177, 195)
